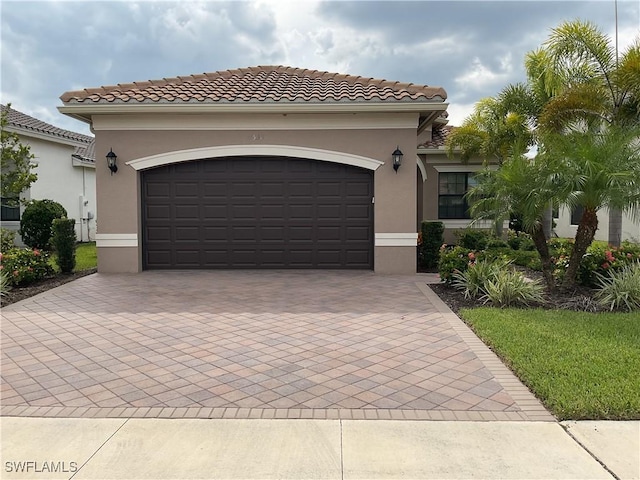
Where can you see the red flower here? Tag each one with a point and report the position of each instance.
(472, 256)
(629, 255)
(36, 252)
(605, 265)
(15, 273)
(609, 256)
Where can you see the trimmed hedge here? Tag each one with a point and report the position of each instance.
(429, 243)
(64, 243)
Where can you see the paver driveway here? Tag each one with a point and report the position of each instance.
(244, 344)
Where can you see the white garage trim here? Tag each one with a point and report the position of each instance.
(396, 239)
(116, 240)
(254, 150)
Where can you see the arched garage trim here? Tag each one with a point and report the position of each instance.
(253, 150)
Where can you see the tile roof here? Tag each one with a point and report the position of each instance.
(439, 136)
(86, 153)
(260, 84)
(21, 120)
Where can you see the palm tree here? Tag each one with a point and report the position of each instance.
(594, 169)
(589, 86)
(508, 190)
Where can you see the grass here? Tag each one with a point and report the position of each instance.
(580, 365)
(86, 257)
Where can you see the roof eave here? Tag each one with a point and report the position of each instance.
(50, 137)
(84, 112)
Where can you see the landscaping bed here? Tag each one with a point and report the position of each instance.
(21, 292)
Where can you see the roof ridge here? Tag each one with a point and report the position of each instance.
(244, 84)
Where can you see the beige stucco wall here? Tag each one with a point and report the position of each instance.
(433, 162)
(118, 195)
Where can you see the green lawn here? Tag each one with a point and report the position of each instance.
(86, 257)
(581, 365)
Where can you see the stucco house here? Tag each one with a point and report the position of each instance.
(268, 167)
(65, 168)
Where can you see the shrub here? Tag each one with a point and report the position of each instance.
(497, 243)
(456, 259)
(620, 290)
(473, 280)
(5, 286)
(23, 266)
(35, 224)
(511, 288)
(7, 239)
(64, 243)
(473, 239)
(429, 242)
(520, 241)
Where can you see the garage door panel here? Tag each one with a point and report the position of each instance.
(161, 212)
(187, 212)
(212, 212)
(158, 190)
(260, 212)
(159, 234)
(214, 189)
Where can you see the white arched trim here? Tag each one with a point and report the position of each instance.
(254, 150)
(423, 170)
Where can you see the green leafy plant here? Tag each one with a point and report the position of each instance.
(511, 288)
(472, 281)
(7, 239)
(64, 243)
(5, 286)
(35, 224)
(23, 265)
(454, 259)
(429, 241)
(620, 290)
(473, 239)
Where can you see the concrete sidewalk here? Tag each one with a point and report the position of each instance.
(86, 448)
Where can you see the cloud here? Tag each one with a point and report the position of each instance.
(481, 78)
(470, 48)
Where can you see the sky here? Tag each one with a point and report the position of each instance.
(470, 48)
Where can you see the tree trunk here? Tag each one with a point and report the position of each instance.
(584, 236)
(540, 242)
(615, 227)
(547, 221)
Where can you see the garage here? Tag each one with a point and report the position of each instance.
(258, 212)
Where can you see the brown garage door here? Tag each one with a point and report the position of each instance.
(258, 212)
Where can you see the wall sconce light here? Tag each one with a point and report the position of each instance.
(111, 161)
(397, 159)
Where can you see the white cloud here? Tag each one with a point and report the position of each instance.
(479, 77)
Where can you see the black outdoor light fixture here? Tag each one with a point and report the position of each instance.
(111, 161)
(397, 159)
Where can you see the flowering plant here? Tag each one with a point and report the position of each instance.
(22, 266)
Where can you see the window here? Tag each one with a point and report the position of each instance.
(576, 215)
(451, 190)
(10, 210)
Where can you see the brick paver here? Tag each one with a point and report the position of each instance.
(251, 344)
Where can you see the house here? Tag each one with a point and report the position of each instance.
(65, 168)
(268, 167)
(567, 220)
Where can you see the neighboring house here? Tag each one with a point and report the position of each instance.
(65, 168)
(566, 224)
(265, 167)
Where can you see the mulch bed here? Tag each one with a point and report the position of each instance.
(579, 299)
(20, 293)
